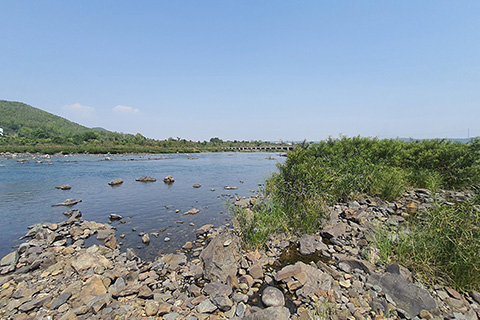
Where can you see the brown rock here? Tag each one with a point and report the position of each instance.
(111, 242)
(256, 271)
(151, 308)
(93, 287)
(411, 207)
(116, 182)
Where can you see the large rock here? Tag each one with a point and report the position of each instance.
(335, 230)
(277, 313)
(307, 279)
(174, 260)
(10, 259)
(220, 261)
(309, 244)
(93, 287)
(406, 295)
(273, 297)
(90, 260)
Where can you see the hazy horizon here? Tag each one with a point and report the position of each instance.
(246, 70)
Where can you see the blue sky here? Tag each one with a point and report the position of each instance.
(248, 70)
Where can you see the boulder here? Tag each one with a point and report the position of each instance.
(90, 260)
(116, 182)
(220, 261)
(10, 259)
(146, 179)
(406, 295)
(273, 297)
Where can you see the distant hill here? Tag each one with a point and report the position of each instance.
(17, 118)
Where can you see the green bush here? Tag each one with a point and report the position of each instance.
(339, 170)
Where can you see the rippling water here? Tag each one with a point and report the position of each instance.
(27, 193)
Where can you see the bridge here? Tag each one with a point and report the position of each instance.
(262, 148)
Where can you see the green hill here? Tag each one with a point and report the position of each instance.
(20, 119)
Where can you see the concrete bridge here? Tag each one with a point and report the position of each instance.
(261, 148)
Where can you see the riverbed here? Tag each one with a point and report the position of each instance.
(27, 193)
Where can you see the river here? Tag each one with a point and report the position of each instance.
(27, 193)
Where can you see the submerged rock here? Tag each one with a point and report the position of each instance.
(192, 211)
(67, 203)
(146, 179)
(64, 187)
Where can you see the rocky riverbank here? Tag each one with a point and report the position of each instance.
(331, 275)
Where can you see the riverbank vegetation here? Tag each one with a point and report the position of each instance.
(320, 175)
(29, 129)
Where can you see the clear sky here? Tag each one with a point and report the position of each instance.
(248, 70)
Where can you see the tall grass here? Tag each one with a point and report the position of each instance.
(443, 242)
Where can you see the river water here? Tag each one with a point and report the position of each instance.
(27, 193)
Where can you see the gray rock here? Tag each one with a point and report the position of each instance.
(61, 299)
(206, 306)
(348, 265)
(398, 269)
(173, 260)
(220, 261)
(407, 296)
(10, 259)
(309, 245)
(67, 203)
(476, 296)
(273, 297)
(335, 230)
(277, 313)
(215, 289)
(222, 302)
(241, 308)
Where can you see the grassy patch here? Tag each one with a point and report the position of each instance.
(443, 242)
